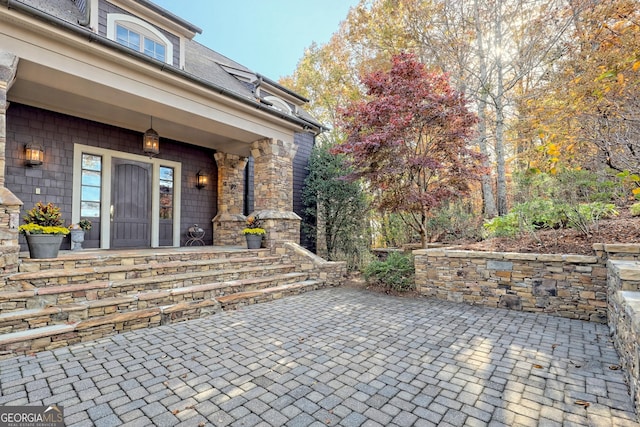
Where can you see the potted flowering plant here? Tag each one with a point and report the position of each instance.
(254, 232)
(44, 230)
(77, 233)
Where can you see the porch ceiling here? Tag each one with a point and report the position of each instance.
(40, 86)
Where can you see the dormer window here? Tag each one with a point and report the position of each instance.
(139, 35)
(278, 104)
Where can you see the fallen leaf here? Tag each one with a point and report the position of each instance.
(201, 424)
(614, 367)
(175, 411)
(553, 347)
(537, 366)
(582, 403)
(184, 376)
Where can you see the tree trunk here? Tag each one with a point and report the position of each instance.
(499, 103)
(488, 199)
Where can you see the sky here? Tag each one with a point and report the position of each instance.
(267, 36)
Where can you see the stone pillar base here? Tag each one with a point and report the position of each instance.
(280, 226)
(227, 229)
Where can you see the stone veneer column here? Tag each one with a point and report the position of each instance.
(230, 220)
(9, 203)
(273, 189)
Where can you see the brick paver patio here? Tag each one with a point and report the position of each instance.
(336, 357)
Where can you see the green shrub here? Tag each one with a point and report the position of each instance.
(635, 209)
(396, 272)
(503, 226)
(584, 217)
(540, 213)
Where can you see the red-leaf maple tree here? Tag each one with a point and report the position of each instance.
(410, 141)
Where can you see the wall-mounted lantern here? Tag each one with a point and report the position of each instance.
(34, 154)
(201, 180)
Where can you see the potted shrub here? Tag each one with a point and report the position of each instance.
(77, 233)
(254, 232)
(43, 230)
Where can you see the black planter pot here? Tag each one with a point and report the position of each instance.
(254, 241)
(44, 245)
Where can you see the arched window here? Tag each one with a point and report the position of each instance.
(139, 35)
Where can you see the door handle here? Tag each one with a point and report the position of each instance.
(111, 210)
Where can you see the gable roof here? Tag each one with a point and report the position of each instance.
(202, 64)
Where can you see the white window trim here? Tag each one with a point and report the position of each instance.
(105, 191)
(114, 18)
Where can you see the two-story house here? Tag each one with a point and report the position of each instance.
(110, 109)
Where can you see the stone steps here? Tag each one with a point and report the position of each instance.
(29, 318)
(80, 275)
(50, 295)
(60, 335)
(95, 258)
(84, 296)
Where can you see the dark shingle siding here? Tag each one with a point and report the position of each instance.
(58, 133)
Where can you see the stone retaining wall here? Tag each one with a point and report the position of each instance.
(624, 320)
(572, 286)
(333, 273)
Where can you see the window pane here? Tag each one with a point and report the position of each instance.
(122, 35)
(90, 162)
(160, 54)
(90, 209)
(149, 47)
(166, 192)
(154, 49)
(91, 186)
(91, 178)
(127, 37)
(91, 194)
(166, 213)
(166, 174)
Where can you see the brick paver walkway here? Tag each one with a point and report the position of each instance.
(336, 357)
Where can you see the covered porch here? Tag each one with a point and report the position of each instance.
(98, 85)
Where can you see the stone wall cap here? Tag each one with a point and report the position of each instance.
(618, 264)
(229, 217)
(455, 253)
(631, 274)
(550, 257)
(633, 248)
(520, 256)
(7, 198)
(269, 214)
(581, 259)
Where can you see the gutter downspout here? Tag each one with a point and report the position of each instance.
(92, 37)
